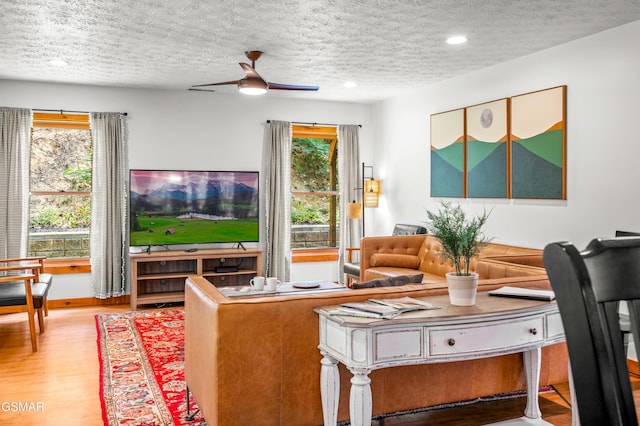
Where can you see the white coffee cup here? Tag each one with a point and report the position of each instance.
(272, 284)
(257, 283)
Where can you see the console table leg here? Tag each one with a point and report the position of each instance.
(360, 404)
(329, 389)
(532, 361)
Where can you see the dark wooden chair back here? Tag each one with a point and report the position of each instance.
(589, 287)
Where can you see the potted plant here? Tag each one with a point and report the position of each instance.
(461, 239)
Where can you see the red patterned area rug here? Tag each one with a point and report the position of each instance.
(142, 369)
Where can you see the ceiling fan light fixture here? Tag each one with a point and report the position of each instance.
(253, 91)
(458, 39)
(58, 62)
(252, 87)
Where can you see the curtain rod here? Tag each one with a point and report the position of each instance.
(313, 124)
(62, 111)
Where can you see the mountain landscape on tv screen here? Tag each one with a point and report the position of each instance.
(214, 210)
(222, 198)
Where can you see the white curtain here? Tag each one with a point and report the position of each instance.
(348, 176)
(277, 185)
(109, 205)
(15, 125)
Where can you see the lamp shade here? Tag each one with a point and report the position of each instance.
(371, 192)
(354, 210)
(372, 185)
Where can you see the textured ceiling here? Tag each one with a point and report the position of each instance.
(386, 46)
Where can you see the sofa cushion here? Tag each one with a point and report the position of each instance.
(389, 282)
(397, 260)
(389, 271)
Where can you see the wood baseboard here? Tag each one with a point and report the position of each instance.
(314, 255)
(87, 301)
(632, 366)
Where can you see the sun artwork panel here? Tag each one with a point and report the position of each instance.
(487, 150)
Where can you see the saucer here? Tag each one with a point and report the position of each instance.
(307, 284)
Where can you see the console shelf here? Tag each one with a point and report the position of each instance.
(158, 277)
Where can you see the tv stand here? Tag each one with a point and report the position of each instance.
(159, 277)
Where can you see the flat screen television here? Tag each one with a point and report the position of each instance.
(185, 207)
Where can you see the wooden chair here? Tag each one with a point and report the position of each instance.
(24, 288)
(589, 286)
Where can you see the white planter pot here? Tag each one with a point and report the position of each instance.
(462, 289)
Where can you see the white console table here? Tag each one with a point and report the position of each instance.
(493, 326)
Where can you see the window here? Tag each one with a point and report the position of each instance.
(60, 186)
(314, 187)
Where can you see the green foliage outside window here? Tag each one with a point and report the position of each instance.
(310, 171)
(310, 167)
(79, 176)
(61, 160)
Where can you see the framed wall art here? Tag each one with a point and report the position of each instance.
(538, 144)
(487, 139)
(448, 154)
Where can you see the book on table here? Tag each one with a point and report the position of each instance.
(523, 293)
(382, 308)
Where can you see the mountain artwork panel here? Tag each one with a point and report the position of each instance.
(447, 154)
(538, 144)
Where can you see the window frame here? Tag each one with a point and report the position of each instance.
(323, 254)
(63, 265)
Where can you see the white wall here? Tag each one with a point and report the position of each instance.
(603, 168)
(187, 130)
(181, 129)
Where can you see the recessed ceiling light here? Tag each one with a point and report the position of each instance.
(350, 84)
(459, 39)
(58, 62)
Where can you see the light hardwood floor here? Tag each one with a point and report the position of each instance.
(62, 378)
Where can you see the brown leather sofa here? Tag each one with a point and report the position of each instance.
(255, 360)
(383, 257)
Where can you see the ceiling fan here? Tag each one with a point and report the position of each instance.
(252, 83)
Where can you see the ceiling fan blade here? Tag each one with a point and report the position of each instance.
(277, 86)
(218, 84)
(251, 72)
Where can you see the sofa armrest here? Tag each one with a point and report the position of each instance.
(490, 269)
(400, 244)
(201, 325)
(527, 259)
(532, 281)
